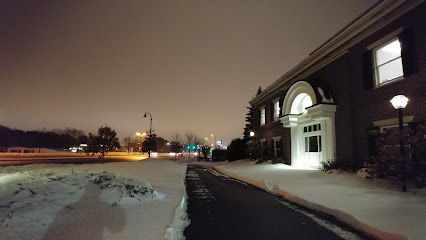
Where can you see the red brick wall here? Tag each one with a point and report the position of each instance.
(272, 128)
(357, 108)
(373, 104)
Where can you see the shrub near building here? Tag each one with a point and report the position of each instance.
(236, 150)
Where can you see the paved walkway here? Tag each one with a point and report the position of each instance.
(223, 208)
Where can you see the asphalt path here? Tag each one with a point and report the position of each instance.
(224, 208)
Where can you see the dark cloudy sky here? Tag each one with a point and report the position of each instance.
(193, 65)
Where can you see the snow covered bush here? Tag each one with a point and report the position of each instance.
(343, 166)
(418, 154)
(252, 149)
(279, 160)
(386, 163)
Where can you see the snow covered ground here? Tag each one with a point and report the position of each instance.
(135, 200)
(373, 207)
(145, 199)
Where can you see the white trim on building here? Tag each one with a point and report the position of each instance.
(303, 120)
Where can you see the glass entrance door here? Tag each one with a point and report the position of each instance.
(313, 145)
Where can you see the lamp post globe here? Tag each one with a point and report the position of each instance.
(399, 101)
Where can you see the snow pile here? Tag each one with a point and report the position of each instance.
(375, 208)
(92, 201)
(123, 188)
(180, 222)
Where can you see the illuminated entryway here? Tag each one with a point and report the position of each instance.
(312, 126)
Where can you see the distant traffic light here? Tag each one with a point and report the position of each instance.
(188, 147)
(193, 147)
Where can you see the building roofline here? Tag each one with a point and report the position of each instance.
(378, 15)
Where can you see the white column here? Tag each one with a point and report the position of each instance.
(294, 146)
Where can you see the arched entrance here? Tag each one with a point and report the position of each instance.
(300, 103)
(312, 126)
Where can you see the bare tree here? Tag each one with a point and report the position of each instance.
(198, 142)
(189, 140)
(205, 150)
(127, 140)
(176, 143)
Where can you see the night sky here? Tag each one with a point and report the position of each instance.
(193, 65)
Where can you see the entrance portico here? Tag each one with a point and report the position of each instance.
(312, 126)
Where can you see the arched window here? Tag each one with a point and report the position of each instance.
(301, 102)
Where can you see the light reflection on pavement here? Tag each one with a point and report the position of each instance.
(9, 159)
(15, 159)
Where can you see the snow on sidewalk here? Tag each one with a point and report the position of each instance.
(382, 212)
(135, 200)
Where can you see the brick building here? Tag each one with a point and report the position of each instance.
(322, 109)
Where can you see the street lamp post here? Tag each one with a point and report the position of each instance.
(150, 133)
(399, 102)
(140, 142)
(214, 140)
(251, 147)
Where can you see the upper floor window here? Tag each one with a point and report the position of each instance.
(276, 110)
(262, 116)
(388, 62)
(391, 58)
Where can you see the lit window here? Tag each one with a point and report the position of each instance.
(276, 110)
(388, 62)
(262, 116)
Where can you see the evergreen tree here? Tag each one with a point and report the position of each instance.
(150, 144)
(249, 124)
(236, 150)
(104, 142)
(259, 91)
(92, 144)
(107, 140)
(249, 120)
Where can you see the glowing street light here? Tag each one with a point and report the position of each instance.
(251, 134)
(214, 140)
(399, 102)
(140, 142)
